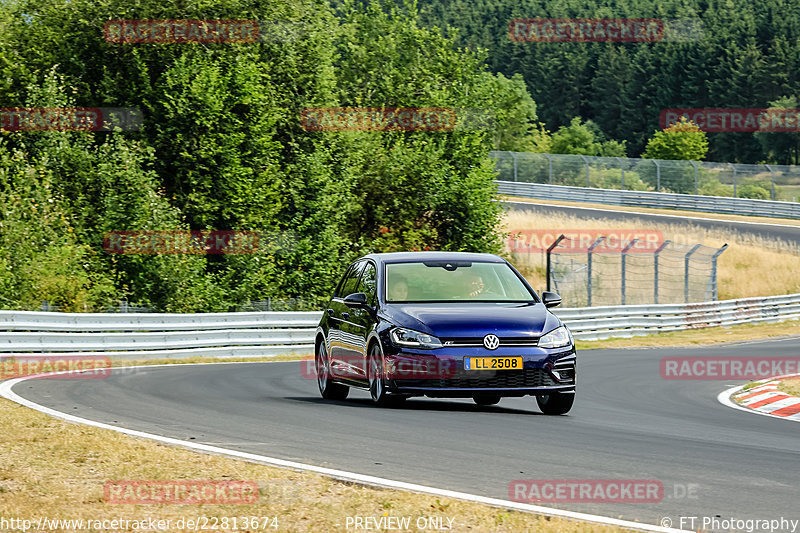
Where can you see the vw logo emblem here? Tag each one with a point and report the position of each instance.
(491, 341)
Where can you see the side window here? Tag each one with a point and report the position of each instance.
(350, 284)
(368, 284)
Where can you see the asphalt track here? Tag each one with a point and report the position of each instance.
(767, 230)
(627, 423)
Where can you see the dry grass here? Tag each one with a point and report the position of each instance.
(50, 468)
(790, 386)
(673, 212)
(701, 337)
(751, 266)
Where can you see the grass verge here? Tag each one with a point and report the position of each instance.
(790, 386)
(651, 211)
(700, 337)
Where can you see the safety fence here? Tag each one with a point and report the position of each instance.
(736, 180)
(614, 269)
(157, 336)
(655, 200)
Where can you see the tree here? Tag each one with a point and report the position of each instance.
(683, 140)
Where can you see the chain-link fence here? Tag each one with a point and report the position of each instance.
(766, 182)
(595, 273)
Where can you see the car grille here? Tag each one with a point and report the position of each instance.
(478, 341)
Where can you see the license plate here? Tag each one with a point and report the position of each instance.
(493, 363)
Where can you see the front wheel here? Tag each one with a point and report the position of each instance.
(377, 385)
(327, 388)
(555, 403)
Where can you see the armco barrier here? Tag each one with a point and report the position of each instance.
(593, 323)
(658, 200)
(156, 335)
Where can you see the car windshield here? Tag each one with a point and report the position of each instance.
(445, 281)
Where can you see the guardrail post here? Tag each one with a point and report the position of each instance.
(549, 168)
(735, 179)
(586, 162)
(658, 175)
(550, 249)
(694, 164)
(514, 155)
(655, 270)
(772, 182)
(714, 271)
(624, 252)
(686, 272)
(589, 253)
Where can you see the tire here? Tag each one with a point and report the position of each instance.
(377, 385)
(327, 388)
(485, 399)
(555, 403)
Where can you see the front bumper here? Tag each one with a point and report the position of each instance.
(443, 374)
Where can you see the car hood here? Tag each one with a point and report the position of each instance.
(474, 319)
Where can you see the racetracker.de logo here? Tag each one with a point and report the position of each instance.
(394, 368)
(585, 30)
(733, 368)
(181, 242)
(581, 240)
(378, 119)
(586, 490)
(163, 31)
(180, 492)
(70, 119)
(56, 367)
(717, 119)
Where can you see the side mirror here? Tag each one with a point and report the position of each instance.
(550, 299)
(357, 299)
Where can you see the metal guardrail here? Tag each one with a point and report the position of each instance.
(594, 323)
(156, 335)
(658, 200)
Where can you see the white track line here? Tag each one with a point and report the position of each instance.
(6, 392)
(642, 213)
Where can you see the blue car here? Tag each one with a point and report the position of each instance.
(443, 325)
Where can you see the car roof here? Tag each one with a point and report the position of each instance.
(401, 257)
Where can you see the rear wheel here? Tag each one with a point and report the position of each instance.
(555, 403)
(486, 399)
(327, 388)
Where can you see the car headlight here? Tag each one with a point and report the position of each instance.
(414, 339)
(557, 338)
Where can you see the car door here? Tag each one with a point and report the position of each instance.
(344, 353)
(360, 322)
